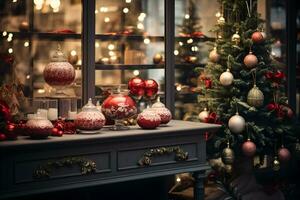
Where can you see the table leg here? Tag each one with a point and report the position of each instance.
(199, 185)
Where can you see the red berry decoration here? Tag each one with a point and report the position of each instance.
(148, 119)
(284, 154)
(2, 137)
(249, 148)
(136, 86)
(151, 88)
(257, 37)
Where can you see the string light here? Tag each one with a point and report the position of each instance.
(125, 10)
(147, 41)
(73, 53)
(180, 43)
(140, 26)
(26, 44)
(96, 11)
(176, 52)
(4, 33)
(106, 19)
(103, 9)
(142, 17)
(111, 47)
(128, 1)
(189, 41)
(10, 50)
(186, 16)
(97, 45)
(136, 72)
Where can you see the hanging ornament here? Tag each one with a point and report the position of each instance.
(226, 78)
(214, 56)
(221, 20)
(255, 97)
(287, 111)
(148, 119)
(236, 38)
(249, 148)
(276, 164)
(158, 58)
(2, 137)
(227, 155)
(236, 123)
(284, 154)
(203, 115)
(151, 88)
(250, 60)
(257, 37)
(164, 113)
(136, 86)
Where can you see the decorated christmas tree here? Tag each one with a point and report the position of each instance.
(247, 96)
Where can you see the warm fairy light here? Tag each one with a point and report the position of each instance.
(128, 1)
(73, 53)
(111, 47)
(195, 48)
(55, 4)
(38, 4)
(97, 45)
(147, 41)
(178, 88)
(178, 179)
(125, 10)
(28, 76)
(10, 35)
(113, 58)
(186, 16)
(103, 9)
(141, 17)
(26, 44)
(9, 39)
(14, 1)
(136, 72)
(79, 62)
(106, 19)
(111, 53)
(180, 43)
(10, 50)
(96, 11)
(4, 33)
(190, 41)
(176, 52)
(41, 91)
(218, 14)
(140, 26)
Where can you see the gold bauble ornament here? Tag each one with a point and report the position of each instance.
(226, 78)
(250, 60)
(214, 56)
(236, 38)
(203, 115)
(157, 58)
(227, 156)
(236, 124)
(221, 20)
(276, 164)
(255, 97)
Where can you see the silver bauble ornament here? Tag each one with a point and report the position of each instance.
(236, 38)
(236, 124)
(255, 97)
(221, 20)
(250, 60)
(214, 56)
(203, 115)
(226, 78)
(227, 156)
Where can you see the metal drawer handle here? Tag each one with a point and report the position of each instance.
(44, 171)
(180, 154)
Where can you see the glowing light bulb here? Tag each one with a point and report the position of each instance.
(128, 1)
(218, 14)
(186, 16)
(10, 50)
(10, 35)
(26, 44)
(96, 11)
(73, 53)
(103, 9)
(55, 4)
(180, 43)
(125, 10)
(97, 45)
(4, 33)
(111, 47)
(194, 48)
(176, 52)
(136, 72)
(14, 1)
(111, 53)
(178, 179)
(140, 26)
(189, 41)
(147, 41)
(106, 19)
(28, 76)
(9, 39)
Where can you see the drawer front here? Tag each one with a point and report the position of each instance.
(61, 167)
(156, 156)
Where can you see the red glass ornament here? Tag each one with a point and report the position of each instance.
(257, 37)
(90, 118)
(54, 131)
(284, 154)
(39, 128)
(59, 73)
(208, 83)
(148, 119)
(151, 88)
(249, 148)
(136, 86)
(2, 137)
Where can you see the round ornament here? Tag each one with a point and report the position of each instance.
(276, 164)
(164, 113)
(249, 148)
(90, 118)
(250, 60)
(157, 58)
(214, 56)
(2, 137)
(151, 88)
(287, 110)
(257, 37)
(72, 58)
(236, 38)
(221, 20)
(148, 119)
(226, 78)
(59, 73)
(227, 156)
(236, 124)
(255, 97)
(136, 86)
(203, 115)
(39, 128)
(5, 114)
(284, 154)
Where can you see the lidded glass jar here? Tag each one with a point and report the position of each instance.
(59, 73)
(90, 118)
(39, 127)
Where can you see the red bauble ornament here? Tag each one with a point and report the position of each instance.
(257, 37)
(2, 137)
(151, 88)
(249, 148)
(284, 154)
(250, 60)
(54, 131)
(136, 86)
(60, 134)
(208, 83)
(148, 119)
(11, 133)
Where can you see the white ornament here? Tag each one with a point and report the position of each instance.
(221, 20)
(236, 124)
(214, 56)
(226, 78)
(203, 115)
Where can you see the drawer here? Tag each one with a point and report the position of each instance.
(61, 167)
(156, 156)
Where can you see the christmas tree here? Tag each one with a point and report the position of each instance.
(247, 95)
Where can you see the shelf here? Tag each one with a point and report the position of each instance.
(47, 36)
(109, 37)
(128, 67)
